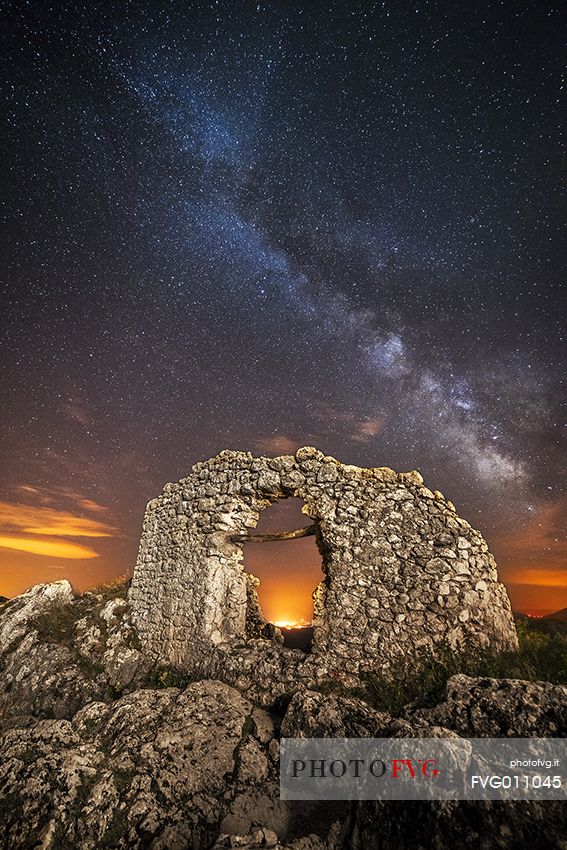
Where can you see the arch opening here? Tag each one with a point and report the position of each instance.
(288, 570)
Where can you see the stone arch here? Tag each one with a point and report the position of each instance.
(402, 570)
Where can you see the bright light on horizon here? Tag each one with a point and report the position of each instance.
(291, 624)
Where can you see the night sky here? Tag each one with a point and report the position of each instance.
(263, 225)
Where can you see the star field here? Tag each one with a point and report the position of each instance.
(263, 225)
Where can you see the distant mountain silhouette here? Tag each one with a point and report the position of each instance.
(549, 624)
(559, 615)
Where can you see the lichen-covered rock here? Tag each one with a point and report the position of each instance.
(447, 825)
(59, 651)
(496, 708)
(315, 715)
(106, 636)
(403, 573)
(174, 768)
(46, 680)
(40, 676)
(472, 707)
(16, 614)
(154, 769)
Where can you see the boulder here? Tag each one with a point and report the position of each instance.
(315, 715)
(155, 768)
(497, 708)
(446, 825)
(16, 614)
(59, 651)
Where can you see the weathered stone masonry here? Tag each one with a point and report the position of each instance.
(403, 572)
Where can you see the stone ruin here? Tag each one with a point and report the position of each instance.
(403, 574)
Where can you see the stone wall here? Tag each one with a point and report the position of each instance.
(403, 573)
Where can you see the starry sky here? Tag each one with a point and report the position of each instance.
(260, 225)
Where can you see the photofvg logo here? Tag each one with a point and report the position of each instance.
(423, 768)
(339, 768)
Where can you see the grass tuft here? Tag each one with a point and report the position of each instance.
(171, 677)
(113, 588)
(540, 657)
(57, 625)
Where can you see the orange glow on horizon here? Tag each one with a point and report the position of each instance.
(287, 603)
(532, 560)
(289, 571)
(540, 577)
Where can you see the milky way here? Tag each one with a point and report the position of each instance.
(262, 225)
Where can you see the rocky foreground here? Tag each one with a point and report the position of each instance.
(101, 750)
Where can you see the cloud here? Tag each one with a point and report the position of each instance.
(91, 505)
(44, 526)
(40, 495)
(76, 410)
(27, 489)
(54, 495)
(367, 430)
(51, 548)
(49, 521)
(278, 444)
(326, 413)
(356, 427)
